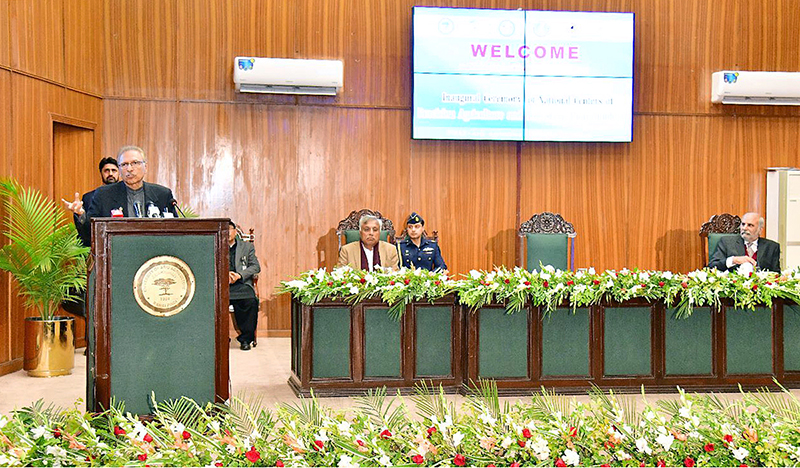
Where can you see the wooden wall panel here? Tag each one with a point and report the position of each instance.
(151, 125)
(5, 285)
(37, 37)
(587, 184)
(5, 35)
(140, 48)
(246, 157)
(224, 30)
(348, 159)
(83, 45)
(372, 38)
(466, 191)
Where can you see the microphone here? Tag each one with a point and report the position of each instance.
(137, 209)
(152, 210)
(174, 203)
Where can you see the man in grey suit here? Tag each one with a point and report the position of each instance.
(243, 267)
(747, 249)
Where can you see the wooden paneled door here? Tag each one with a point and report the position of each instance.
(74, 171)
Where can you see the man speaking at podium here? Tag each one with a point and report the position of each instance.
(131, 198)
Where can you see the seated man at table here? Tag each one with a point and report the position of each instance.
(369, 251)
(747, 251)
(417, 251)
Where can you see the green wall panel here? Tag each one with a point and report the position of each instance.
(565, 343)
(434, 341)
(749, 340)
(791, 343)
(381, 343)
(331, 348)
(503, 341)
(627, 341)
(688, 343)
(171, 356)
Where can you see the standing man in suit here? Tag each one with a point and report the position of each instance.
(243, 267)
(133, 197)
(109, 174)
(749, 250)
(417, 251)
(370, 251)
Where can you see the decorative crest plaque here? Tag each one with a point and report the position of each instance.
(163, 286)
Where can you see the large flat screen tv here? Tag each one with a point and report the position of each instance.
(522, 75)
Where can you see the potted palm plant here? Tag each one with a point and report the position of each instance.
(48, 262)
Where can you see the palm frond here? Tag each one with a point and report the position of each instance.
(307, 410)
(430, 403)
(545, 404)
(484, 396)
(382, 412)
(249, 414)
(183, 410)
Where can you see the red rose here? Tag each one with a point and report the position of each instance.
(605, 464)
(688, 462)
(642, 464)
(437, 282)
(661, 284)
(118, 431)
(506, 281)
(459, 460)
(514, 465)
(57, 434)
(279, 464)
(560, 462)
(360, 443)
(661, 464)
(544, 284)
(148, 438)
(330, 283)
(727, 438)
(709, 447)
(643, 285)
(573, 431)
(218, 464)
(743, 465)
(685, 285)
(142, 457)
(186, 435)
(344, 281)
(252, 455)
(431, 430)
(406, 281)
(526, 433)
(385, 434)
(391, 282)
(318, 445)
(521, 443)
(570, 283)
(363, 280)
(490, 464)
(418, 459)
(527, 283)
(608, 444)
(755, 286)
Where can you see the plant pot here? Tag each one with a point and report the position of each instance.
(49, 346)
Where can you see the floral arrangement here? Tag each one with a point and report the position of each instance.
(759, 429)
(550, 288)
(397, 288)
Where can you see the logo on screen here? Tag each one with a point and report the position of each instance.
(730, 77)
(246, 64)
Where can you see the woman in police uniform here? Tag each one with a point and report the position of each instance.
(416, 251)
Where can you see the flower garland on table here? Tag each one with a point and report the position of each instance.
(759, 429)
(397, 288)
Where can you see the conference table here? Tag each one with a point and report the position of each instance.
(344, 348)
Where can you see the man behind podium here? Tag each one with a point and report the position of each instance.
(133, 197)
(369, 252)
(747, 251)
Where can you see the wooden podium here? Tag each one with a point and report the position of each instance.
(158, 315)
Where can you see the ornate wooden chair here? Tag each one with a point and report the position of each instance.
(545, 238)
(402, 236)
(347, 230)
(716, 228)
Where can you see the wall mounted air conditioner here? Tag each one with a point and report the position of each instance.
(287, 76)
(756, 87)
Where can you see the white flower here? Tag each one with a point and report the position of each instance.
(506, 443)
(740, 453)
(623, 456)
(487, 419)
(5, 461)
(684, 411)
(644, 276)
(695, 435)
(296, 284)
(56, 451)
(346, 462)
(38, 431)
(591, 271)
(214, 425)
(385, 461)
(667, 275)
(255, 435)
(3, 422)
(624, 271)
(177, 428)
(475, 274)
(541, 449)
(353, 290)
(665, 441)
(571, 457)
(230, 448)
(544, 276)
(320, 274)
(457, 438)
(695, 421)
(344, 427)
(609, 284)
(139, 431)
(641, 445)
(323, 435)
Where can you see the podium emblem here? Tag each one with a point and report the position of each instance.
(164, 286)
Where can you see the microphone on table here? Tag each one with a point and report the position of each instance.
(137, 209)
(174, 203)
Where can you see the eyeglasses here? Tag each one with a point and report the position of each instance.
(126, 165)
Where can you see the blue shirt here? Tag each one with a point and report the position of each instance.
(427, 255)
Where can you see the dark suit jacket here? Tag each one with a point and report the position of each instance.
(768, 257)
(85, 228)
(114, 196)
